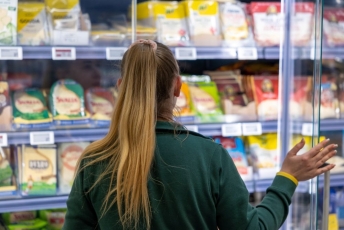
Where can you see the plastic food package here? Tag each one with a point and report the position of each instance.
(183, 105)
(266, 96)
(235, 26)
(30, 109)
(329, 107)
(67, 103)
(36, 224)
(37, 174)
(100, 103)
(32, 24)
(168, 18)
(5, 107)
(264, 150)
(302, 23)
(68, 154)
(54, 218)
(7, 178)
(267, 22)
(298, 100)
(333, 25)
(17, 217)
(203, 21)
(8, 22)
(236, 149)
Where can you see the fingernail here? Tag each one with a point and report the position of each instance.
(328, 139)
(335, 145)
(335, 151)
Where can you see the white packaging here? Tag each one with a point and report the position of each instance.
(8, 22)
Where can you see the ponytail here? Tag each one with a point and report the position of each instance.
(128, 148)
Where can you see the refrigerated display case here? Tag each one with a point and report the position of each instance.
(252, 74)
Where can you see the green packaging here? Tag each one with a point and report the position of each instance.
(36, 224)
(18, 217)
(30, 109)
(54, 218)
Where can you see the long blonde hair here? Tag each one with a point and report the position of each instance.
(128, 148)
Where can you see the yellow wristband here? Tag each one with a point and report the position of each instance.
(290, 177)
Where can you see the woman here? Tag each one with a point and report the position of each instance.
(150, 173)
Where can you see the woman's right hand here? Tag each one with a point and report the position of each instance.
(307, 166)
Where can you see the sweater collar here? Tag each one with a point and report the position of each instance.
(169, 125)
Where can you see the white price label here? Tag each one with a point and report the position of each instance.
(186, 53)
(247, 53)
(193, 128)
(312, 54)
(231, 130)
(3, 140)
(307, 129)
(115, 53)
(252, 129)
(42, 138)
(63, 53)
(232, 53)
(11, 53)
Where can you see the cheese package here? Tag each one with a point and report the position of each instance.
(267, 22)
(168, 18)
(36, 224)
(67, 104)
(329, 107)
(302, 88)
(203, 22)
(266, 96)
(183, 104)
(54, 218)
(32, 24)
(264, 150)
(30, 109)
(8, 22)
(5, 107)
(17, 217)
(236, 149)
(100, 103)
(302, 23)
(64, 14)
(7, 173)
(68, 155)
(37, 174)
(333, 25)
(205, 101)
(235, 25)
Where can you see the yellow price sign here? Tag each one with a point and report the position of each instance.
(333, 222)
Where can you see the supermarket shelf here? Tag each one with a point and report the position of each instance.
(336, 179)
(38, 203)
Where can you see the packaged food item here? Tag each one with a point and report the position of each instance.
(67, 103)
(267, 22)
(205, 100)
(143, 32)
(296, 138)
(236, 149)
(203, 22)
(8, 22)
(341, 94)
(195, 78)
(32, 24)
(68, 154)
(7, 178)
(302, 23)
(36, 224)
(19, 81)
(17, 217)
(5, 107)
(234, 23)
(266, 96)
(168, 18)
(37, 174)
(30, 109)
(329, 107)
(298, 99)
(54, 218)
(333, 25)
(263, 148)
(64, 14)
(100, 103)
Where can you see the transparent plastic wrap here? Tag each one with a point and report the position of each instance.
(168, 18)
(32, 24)
(8, 22)
(203, 22)
(334, 26)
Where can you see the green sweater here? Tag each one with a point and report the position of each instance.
(200, 188)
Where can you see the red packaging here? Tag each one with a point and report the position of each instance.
(333, 25)
(302, 24)
(100, 103)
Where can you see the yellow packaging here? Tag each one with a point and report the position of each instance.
(296, 138)
(38, 170)
(203, 22)
(64, 14)
(183, 102)
(32, 26)
(168, 18)
(264, 150)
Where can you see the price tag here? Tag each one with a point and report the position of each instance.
(11, 53)
(307, 129)
(231, 130)
(115, 53)
(312, 53)
(3, 140)
(252, 129)
(63, 53)
(186, 53)
(193, 128)
(247, 53)
(42, 138)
